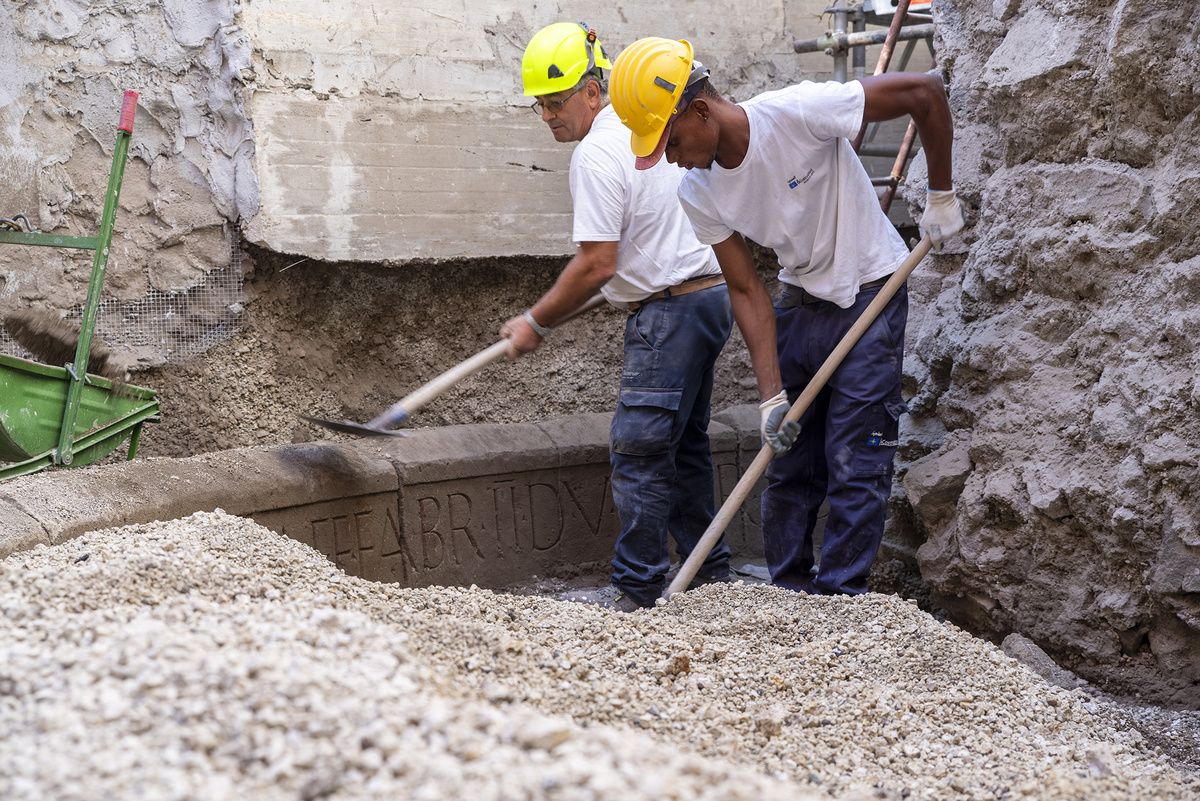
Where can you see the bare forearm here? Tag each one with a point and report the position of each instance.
(752, 310)
(593, 264)
(588, 270)
(756, 320)
(936, 129)
(923, 97)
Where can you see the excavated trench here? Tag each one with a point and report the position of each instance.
(504, 481)
(1049, 454)
(503, 485)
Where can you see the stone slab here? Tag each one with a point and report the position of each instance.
(359, 533)
(493, 529)
(476, 504)
(578, 438)
(452, 452)
(244, 481)
(739, 425)
(18, 530)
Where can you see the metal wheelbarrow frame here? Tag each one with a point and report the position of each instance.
(63, 415)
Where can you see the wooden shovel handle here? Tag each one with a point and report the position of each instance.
(734, 502)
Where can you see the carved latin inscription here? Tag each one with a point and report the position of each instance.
(482, 530)
(489, 530)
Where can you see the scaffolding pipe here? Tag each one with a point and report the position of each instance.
(840, 18)
(885, 57)
(910, 136)
(871, 150)
(837, 42)
(860, 53)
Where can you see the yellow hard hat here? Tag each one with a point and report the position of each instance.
(646, 83)
(558, 56)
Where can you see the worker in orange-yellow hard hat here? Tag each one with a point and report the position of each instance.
(779, 169)
(634, 245)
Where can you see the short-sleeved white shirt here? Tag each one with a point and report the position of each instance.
(638, 209)
(802, 191)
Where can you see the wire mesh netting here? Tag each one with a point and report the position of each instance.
(165, 327)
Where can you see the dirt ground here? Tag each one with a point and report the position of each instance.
(348, 340)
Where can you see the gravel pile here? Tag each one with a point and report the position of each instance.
(210, 658)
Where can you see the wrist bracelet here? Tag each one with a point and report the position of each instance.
(542, 330)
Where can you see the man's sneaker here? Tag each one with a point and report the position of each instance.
(753, 574)
(609, 597)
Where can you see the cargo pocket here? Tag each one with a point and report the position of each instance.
(879, 438)
(642, 424)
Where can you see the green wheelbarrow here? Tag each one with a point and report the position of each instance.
(33, 399)
(63, 415)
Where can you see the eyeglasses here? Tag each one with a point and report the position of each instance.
(553, 106)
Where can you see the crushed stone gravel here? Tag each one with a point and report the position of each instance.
(210, 658)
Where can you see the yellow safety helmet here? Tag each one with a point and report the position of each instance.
(558, 56)
(646, 83)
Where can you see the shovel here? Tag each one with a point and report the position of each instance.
(384, 425)
(687, 571)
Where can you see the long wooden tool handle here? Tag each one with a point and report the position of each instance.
(734, 502)
(400, 410)
(424, 394)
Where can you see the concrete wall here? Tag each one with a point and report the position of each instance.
(389, 131)
(489, 505)
(381, 131)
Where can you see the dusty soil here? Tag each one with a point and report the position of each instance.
(345, 341)
(212, 658)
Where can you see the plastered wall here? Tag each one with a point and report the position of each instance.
(189, 179)
(379, 131)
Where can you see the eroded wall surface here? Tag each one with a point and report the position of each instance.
(190, 177)
(1055, 362)
(366, 131)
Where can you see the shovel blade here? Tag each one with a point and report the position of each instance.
(355, 429)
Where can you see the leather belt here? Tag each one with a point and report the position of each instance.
(690, 285)
(792, 296)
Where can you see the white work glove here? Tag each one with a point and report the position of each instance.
(780, 434)
(945, 215)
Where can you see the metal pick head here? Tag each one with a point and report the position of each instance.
(354, 429)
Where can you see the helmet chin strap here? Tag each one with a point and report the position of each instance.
(589, 43)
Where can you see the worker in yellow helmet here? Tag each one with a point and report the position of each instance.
(634, 244)
(779, 169)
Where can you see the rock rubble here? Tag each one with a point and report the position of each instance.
(210, 658)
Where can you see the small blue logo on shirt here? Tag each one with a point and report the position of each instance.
(792, 184)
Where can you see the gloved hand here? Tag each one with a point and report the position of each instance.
(945, 215)
(780, 434)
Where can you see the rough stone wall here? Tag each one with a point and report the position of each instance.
(1053, 364)
(190, 173)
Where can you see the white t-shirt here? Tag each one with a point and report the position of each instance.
(638, 209)
(802, 191)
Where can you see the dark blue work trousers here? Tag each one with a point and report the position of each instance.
(662, 466)
(845, 451)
